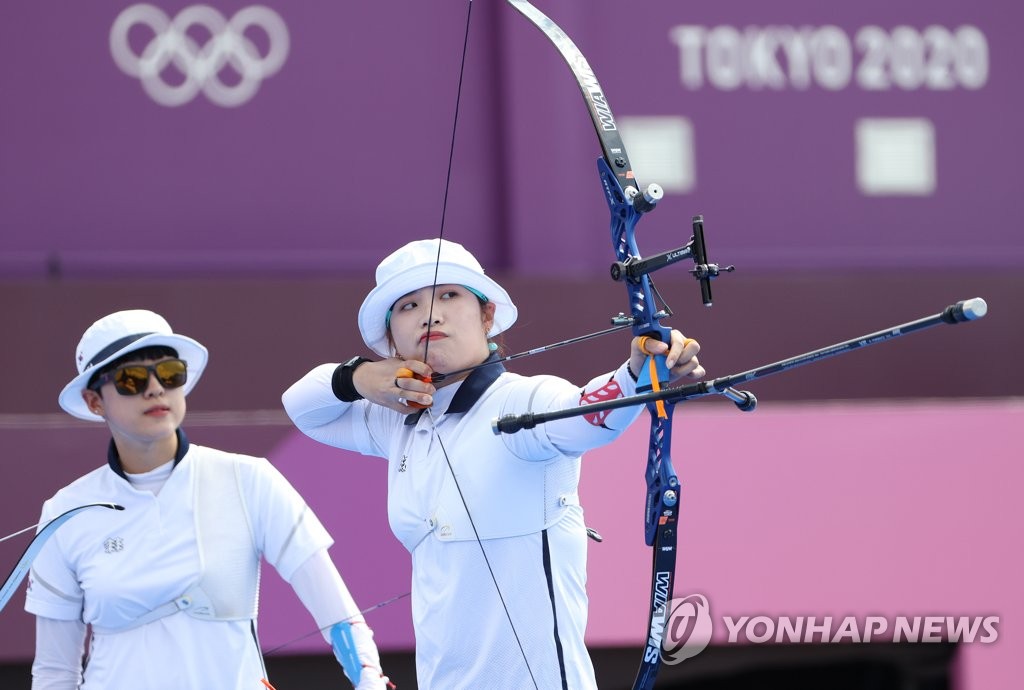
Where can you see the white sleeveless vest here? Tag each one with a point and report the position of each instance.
(227, 587)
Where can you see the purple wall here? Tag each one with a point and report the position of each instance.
(255, 228)
(341, 154)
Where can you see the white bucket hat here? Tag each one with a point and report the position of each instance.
(413, 267)
(118, 334)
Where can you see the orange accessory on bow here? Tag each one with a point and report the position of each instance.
(655, 383)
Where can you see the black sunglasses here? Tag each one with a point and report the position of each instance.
(132, 379)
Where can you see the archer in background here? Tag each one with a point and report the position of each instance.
(493, 523)
(170, 584)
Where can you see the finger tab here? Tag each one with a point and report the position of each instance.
(406, 373)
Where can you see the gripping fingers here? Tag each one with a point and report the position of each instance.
(642, 344)
(402, 373)
(685, 359)
(406, 373)
(683, 351)
(690, 367)
(645, 340)
(679, 343)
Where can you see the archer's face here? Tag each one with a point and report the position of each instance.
(451, 332)
(151, 416)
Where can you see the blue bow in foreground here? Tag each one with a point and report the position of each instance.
(627, 203)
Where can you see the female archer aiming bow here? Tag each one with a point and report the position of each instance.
(493, 523)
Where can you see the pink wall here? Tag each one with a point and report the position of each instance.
(798, 509)
(828, 509)
(842, 509)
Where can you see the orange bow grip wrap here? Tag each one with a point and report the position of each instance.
(655, 383)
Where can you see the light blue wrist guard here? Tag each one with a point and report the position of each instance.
(344, 646)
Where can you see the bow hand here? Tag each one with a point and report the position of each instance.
(674, 360)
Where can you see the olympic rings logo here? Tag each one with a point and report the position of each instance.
(200, 65)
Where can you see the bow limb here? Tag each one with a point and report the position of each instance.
(23, 565)
(627, 204)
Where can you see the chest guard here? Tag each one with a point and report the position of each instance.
(227, 587)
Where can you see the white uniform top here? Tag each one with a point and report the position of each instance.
(108, 568)
(521, 492)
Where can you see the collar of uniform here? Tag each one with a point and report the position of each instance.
(114, 458)
(471, 388)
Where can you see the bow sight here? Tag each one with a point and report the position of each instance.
(632, 268)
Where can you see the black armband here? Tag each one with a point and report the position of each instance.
(341, 382)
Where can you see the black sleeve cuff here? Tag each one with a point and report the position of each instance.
(341, 381)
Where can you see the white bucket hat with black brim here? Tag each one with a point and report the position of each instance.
(114, 336)
(413, 267)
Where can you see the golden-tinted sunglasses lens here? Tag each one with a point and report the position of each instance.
(132, 379)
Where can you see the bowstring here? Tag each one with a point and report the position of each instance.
(448, 177)
(426, 346)
(12, 535)
(483, 552)
(325, 628)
